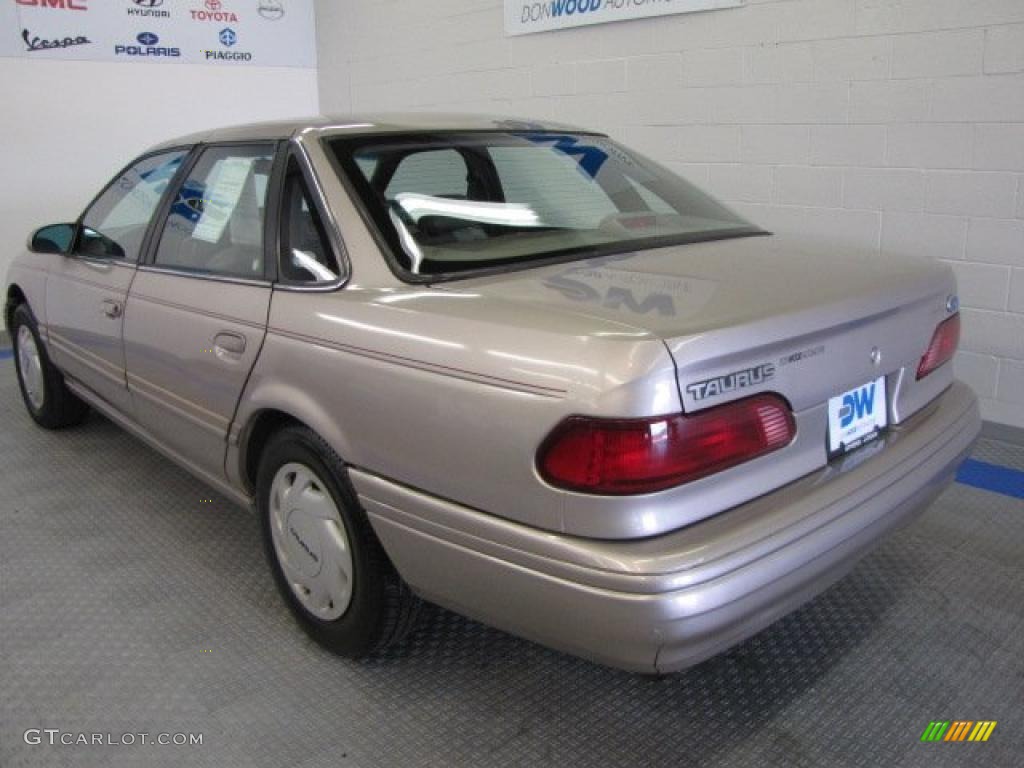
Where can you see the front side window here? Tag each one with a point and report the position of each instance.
(450, 204)
(115, 224)
(215, 224)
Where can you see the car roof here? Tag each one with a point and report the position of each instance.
(367, 124)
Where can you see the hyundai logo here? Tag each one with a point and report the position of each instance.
(148, 38)
(149, 3)
(228, 37)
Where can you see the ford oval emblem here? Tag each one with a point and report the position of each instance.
(952, 303)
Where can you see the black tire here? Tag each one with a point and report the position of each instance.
(60, 407)
(382, 609)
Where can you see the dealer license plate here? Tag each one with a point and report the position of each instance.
(857, 416)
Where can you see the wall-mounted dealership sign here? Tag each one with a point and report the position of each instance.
(269, 33)
(525, 16)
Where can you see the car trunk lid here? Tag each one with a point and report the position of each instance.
(799, 317)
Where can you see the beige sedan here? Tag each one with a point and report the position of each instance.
(515, 368)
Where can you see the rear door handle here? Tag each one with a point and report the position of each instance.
(112, 308)
(231, 344)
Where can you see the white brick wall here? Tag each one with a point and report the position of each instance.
(887, 123)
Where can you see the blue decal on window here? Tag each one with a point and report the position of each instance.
(590, 158)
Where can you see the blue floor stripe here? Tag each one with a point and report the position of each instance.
(992, 477)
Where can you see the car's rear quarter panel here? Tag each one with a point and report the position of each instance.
(417, 387)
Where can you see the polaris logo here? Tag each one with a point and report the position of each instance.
(148, 46)
(721, 385)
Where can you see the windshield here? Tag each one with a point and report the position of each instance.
(456, 203)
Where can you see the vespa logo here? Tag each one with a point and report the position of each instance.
(857, 405)
(35, 43)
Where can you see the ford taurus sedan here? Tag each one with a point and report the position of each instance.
(513, 368)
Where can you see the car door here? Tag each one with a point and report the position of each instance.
(86, 291)
(196, 315)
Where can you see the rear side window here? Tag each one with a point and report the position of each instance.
(116, 222)
(216, 222)
(306, 255)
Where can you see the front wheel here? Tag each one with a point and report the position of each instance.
(47, 399)
(328, 564)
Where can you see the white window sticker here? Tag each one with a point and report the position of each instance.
(223, 191)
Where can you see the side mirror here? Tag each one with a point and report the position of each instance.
(53, 238)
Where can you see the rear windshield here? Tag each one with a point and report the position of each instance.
(452, 204)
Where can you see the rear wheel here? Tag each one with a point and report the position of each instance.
(328, 564)
(48, 400)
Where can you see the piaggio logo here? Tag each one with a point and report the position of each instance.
(228, 38)
(67, 5)
(958, 730)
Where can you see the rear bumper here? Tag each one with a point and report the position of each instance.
(668, 602)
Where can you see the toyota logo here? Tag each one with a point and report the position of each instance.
(213, 5)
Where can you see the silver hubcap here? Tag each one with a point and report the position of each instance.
(30, 367)
(310, 542)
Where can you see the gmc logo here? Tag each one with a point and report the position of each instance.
(71, 5)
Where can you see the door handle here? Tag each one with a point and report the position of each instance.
(226, 342)
(112, 308)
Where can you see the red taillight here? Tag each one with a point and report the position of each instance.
(943, 345)
(624, 456)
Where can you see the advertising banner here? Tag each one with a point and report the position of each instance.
(268, 33)
(523, 17)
